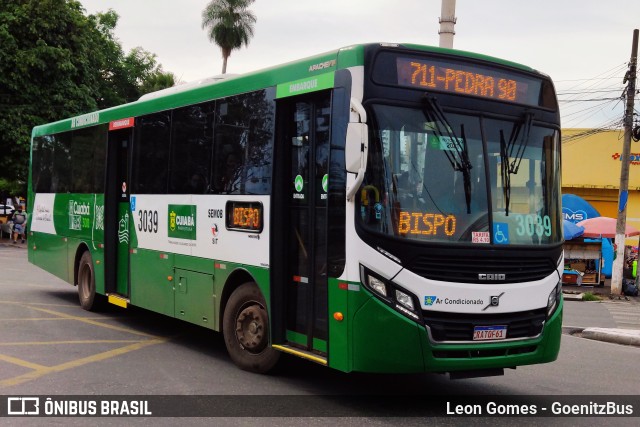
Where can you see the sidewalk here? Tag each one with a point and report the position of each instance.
(7, 242)
(621, 327)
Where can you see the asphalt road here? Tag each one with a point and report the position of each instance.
(50, 346)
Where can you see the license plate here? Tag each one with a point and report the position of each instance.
(483, 333)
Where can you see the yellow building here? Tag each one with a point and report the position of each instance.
(591, 169)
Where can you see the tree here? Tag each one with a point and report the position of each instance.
(55, 63)
(230, 25)
(157, 81)
(125, 78)
(46, 73)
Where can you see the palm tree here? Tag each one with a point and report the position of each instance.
(230, 25)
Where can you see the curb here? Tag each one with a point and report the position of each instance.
(616, 336)
(4, 245)
(14, 246)
(572, 330)
(572, 297)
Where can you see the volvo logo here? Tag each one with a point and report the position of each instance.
(494, 301)
(491, 276)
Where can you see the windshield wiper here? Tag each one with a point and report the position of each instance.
(507, 152)
(459, 158)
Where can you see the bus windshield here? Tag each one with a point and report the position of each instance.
(442, 177)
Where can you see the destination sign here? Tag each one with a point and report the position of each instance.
(426, 224)
(244, 216)
(467, 79)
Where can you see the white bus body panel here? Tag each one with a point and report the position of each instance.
(213, 240)
(454, 297)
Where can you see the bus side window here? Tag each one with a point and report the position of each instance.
(229, 181)
(151, 153)
(191, 148)
(244, 129)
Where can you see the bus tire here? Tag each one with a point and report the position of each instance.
(245, 327)
(87, 283)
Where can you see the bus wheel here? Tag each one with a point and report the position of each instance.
(246, 330)
(87, 283)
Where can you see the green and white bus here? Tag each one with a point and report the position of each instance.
(378, 208)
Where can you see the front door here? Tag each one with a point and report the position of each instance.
(305, 145)
(118, 213)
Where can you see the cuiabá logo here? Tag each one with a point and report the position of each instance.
(172, 221)
(182, 221)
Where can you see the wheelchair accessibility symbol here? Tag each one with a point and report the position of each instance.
(501, 233)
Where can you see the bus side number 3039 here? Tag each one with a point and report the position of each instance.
(530, 225)
(148, 221)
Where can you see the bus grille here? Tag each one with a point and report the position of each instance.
(474, 354)
(459, 326)
(467, 270)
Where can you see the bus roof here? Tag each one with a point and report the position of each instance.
(221, 86)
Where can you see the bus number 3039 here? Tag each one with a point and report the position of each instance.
(148, 221)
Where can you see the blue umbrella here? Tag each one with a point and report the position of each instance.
(576, 209)
(571, 230)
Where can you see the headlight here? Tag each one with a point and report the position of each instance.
(377, 285)
(391, 294)
(554, 297)
(404, 299)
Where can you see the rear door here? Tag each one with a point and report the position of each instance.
(118, 208)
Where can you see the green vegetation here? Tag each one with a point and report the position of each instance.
(230, 25)
(57, 62)
(589, 296)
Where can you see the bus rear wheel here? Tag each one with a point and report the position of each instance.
(245, 327)
(87, 283)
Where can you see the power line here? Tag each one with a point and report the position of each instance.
(592, 107)
(592, 93)
(589, 100)
(572, 139)
(600, 90)
(589, 79)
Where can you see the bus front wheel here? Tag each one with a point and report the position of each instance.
(87, 283)
(245, 327)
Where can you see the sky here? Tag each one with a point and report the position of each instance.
(584, 45)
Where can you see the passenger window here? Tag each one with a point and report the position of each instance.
(151, 153)
(191, 149)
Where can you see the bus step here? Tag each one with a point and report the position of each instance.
(301, 353)
(118, 300)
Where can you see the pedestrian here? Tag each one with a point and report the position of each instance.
(19, 219)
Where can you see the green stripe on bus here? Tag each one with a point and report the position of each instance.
(306, 85)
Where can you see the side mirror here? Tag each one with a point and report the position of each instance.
(357, 147)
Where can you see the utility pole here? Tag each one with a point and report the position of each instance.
(447, 22)
(630, 79)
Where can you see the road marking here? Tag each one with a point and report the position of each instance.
(625, 315)
(41, 371)
(20, 362)
(89, 321)
(5, 269)
(38, 303)
(6, 344)
(15, 319)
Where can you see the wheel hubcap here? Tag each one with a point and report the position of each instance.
(251, 328)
